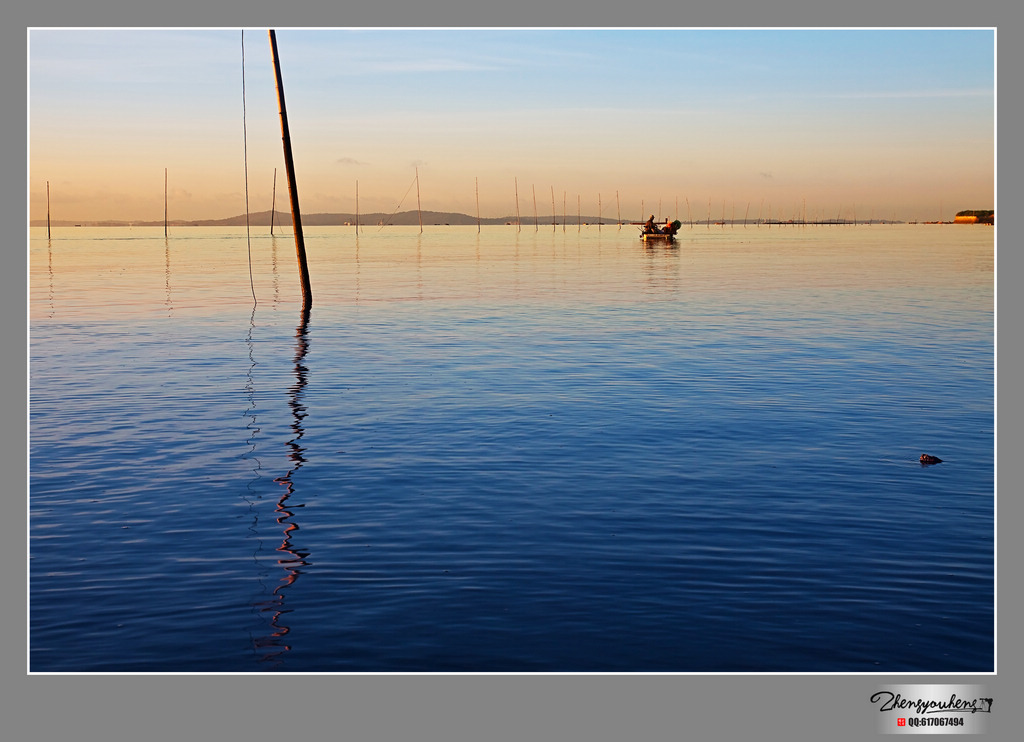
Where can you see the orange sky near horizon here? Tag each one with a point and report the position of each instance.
(855, 124)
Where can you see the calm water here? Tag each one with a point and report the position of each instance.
(544, 451)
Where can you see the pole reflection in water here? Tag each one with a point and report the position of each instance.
(253, 486)
(419, 267)
(356, 279)
(273, 267)
(167, 275)
(252, 426)
(290, 557)
(49, 263)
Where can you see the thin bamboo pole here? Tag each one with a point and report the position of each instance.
(165, 202)
(519, 222)
(47, 209)
(293, 191)
(419, 211)
(273, 202)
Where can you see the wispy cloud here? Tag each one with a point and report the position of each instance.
(445, 51)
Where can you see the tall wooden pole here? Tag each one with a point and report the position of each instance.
(165, 202)
(47, 209)
(293, 192)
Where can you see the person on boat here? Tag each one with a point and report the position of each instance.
(670, 228)
(649, 227)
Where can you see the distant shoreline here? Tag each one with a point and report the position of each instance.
(442, 218)
(435, 218)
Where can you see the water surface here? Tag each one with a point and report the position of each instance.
(546, 450)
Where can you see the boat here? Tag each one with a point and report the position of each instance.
(651, 233)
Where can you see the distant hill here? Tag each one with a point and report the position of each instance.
(284, 219)
(976, 216)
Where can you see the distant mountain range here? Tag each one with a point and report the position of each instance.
(284, 219)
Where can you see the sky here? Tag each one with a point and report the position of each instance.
(895, 123)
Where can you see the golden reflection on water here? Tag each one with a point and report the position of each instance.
(95, 273)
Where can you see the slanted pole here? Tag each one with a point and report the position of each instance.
(293, 193)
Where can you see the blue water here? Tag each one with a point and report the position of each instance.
(541, 451)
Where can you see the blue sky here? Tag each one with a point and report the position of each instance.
(887, 122)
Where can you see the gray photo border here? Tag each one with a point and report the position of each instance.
(489, 707)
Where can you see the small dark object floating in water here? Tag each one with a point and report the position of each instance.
(926, 459)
